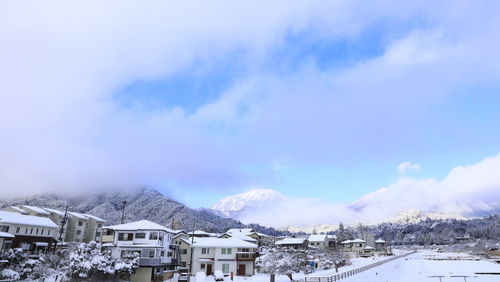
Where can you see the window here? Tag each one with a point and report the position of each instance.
(151, 254)
(48, 232)
(80, 223)
(99, 225)
(4, 228)
(31, 231)
(169, 254)
(226, 251)
(125, 236)
(37, 231)
(78, 232)
(162, 253)
(205, 251)
(26, 232)
(184, 251)
(153, 236)
(225, 268)
(98, 234)
(41, 232)
(17, 229)
(141, 235)
(202, 266)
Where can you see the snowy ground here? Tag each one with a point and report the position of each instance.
(416, 267)
(419, 266)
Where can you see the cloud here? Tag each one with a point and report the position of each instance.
(407, 167)
(467, 190)
(64, 129)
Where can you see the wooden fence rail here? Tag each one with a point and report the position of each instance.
(343, 275)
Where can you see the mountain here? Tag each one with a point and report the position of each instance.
(413, 216)
(143, 203)
(235, 206)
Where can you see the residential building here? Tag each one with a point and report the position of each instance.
(319, 241)
(353, 247)
(34, 234)
(183, 243)
(224, 254)
(151, 241)
(380, 246)
(296, 243)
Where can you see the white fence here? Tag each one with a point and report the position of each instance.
(342, 275)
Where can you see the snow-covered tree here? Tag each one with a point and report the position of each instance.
(282, 261)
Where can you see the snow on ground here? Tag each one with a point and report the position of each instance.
(419, 266)
(414, 268)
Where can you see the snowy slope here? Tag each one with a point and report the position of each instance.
(236, 205)
(416, 216)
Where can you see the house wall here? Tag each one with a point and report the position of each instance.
(219, 259)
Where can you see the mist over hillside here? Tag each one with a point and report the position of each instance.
(142, 203)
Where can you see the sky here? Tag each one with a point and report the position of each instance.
(329, 100)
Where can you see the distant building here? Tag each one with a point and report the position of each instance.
(34, 234)
(319, 241)
(296, 243)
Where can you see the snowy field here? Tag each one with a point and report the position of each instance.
(416, 267)
(419, 266)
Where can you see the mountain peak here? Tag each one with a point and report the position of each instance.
(235, 205)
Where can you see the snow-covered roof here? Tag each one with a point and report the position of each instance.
(78, 215)
(241, 237)
(358, 241)
(6, 235)
(331, 236)
(291, 241)
(199, 232)
(346, 242)
(17, 209)
(38, 210)
(58, 212)
(222, 243)
(17, 218)
(317, 238)
(240, 230)
(380, 241)
(139, 225)
(263, 235)
(369, 248)
(94, 217)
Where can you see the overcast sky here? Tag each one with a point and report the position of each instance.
(326, 100)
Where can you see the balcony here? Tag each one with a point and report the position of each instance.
(245, 256)
(149, 261)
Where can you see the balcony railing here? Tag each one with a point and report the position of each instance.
(149, 261)
(246, 256)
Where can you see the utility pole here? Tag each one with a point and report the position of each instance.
(63, 222)
(191, 253)
(123, 210)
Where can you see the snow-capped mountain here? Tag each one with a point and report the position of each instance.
(235, 206)
(413, 216)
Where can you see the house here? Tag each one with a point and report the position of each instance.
(224, 254)
(296, 243)
(34, 234)
(151, 241)
(380, 246)
(319, 241)
(93, 228)
(332, 243)
(368, 251)
(183, 243)
(353, 246)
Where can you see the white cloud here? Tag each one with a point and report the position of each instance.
(405, 168)
(466, 190)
